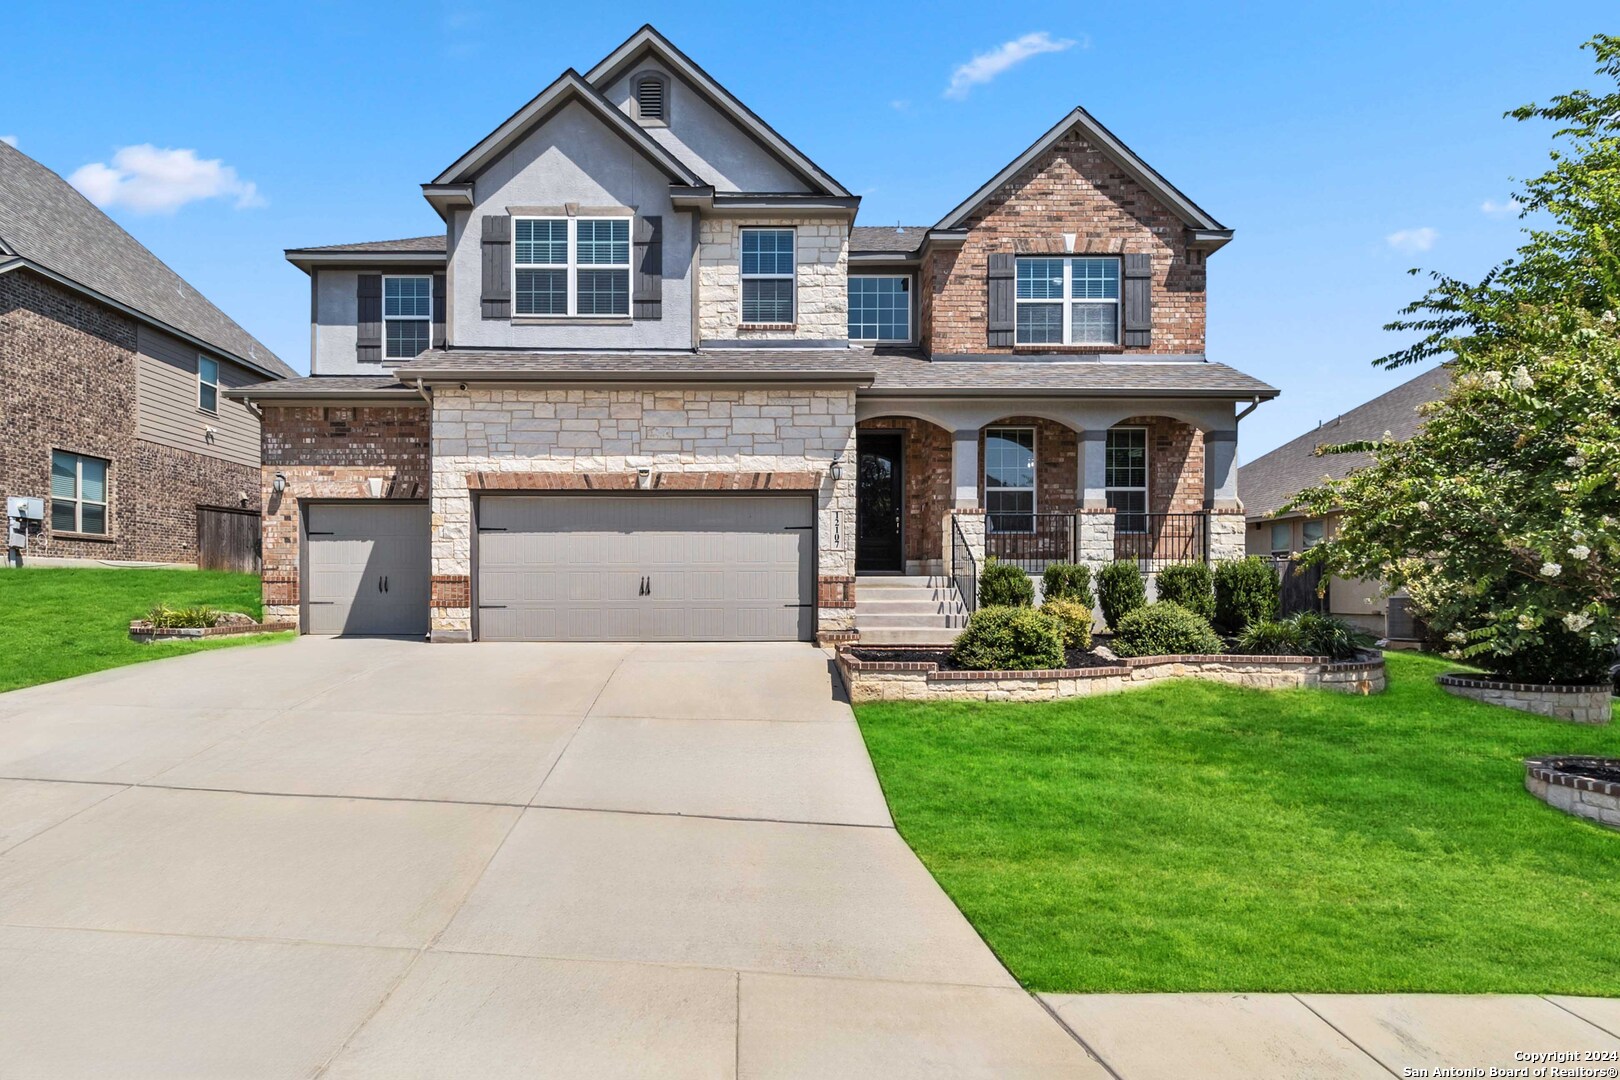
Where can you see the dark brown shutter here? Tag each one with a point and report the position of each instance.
(497, 286)
(999, 298)
(1137, 299)
(368, 332)
(438, 311)
(647, 267)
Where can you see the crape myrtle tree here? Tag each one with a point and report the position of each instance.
(1501, 515)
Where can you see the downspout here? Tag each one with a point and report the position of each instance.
(1253, 405)
(427, 397)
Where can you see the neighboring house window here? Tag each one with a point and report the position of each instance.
(1067, 301)
(1009, 479)
(652, 99)
(1125, 461)
(407, 315)
(78, 493)
(207, 384)
(879, 308)
(767, 275)
(1282, 539)
(1313, 532)
(571, 266)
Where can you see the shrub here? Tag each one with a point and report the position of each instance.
(1323, 635)
(1004, 585)
(1008, 639)
(1073, 621)
(1246, 591)
(1067, 581)
(1268, 637)
(1192, 585)
(1121, 590)
(1165, 629)
(167, 617)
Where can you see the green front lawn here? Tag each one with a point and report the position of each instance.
(56, 623)
(1193, 836)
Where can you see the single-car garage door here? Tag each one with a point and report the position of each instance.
(367, 568)
(646, 568)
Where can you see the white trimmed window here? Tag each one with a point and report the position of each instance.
(1067, 300)
(207, 384)
(1009, 479)
(1126, 478)
(78, 493)
(1282, 539)
(767, 275)
(879, 307)
(571, 266)
(407, 316)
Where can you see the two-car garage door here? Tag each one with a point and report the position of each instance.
(648, 567)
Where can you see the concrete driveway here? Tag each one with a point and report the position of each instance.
(374, 858)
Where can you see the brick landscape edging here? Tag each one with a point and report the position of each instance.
(1576, 702)
(143, 631)
(922, 680)
(1595, 800)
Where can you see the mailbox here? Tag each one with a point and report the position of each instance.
(25, 508)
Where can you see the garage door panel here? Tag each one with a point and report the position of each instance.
(367, 568)
(718, 568)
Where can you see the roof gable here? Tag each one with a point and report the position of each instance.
(1190, 213)
(569, 87)
(649, 42)
(47, 225)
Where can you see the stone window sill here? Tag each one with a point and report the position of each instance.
(558, 320)
(1078, 350)
(767, 326)
(62, 534)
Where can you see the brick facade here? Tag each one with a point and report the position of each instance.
(332, 453)
(1072, 188)
(70, 384)
(926, 478)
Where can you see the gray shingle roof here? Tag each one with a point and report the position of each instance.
(886, 237)
(318, 386)
(854, 365)
(1269, 481)
(899, 372)
(414, 245)
(45, 221)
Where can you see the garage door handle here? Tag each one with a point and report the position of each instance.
(491, 607)
(385, 583)
(320, 534)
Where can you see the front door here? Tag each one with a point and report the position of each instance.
(878, 502)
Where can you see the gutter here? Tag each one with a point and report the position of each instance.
(645, 376)
(1062, 392)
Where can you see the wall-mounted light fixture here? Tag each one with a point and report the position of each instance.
(278, 483)
(836, 470)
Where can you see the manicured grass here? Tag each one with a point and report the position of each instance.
(1192, 836)
(56, 623)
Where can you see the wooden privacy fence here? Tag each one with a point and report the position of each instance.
(227, 539)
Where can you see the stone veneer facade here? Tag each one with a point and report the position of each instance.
(821, 298)
(704, 434)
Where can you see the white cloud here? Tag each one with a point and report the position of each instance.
(986, 66)
(1412, 241)
(1500, 209)
(9, 140)
(900, 104)
(153, 181)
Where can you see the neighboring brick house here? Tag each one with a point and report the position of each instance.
(651, 381)
(113, 396)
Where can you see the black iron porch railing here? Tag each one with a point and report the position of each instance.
(1159, 540)
(1029, 541)
(964, 567)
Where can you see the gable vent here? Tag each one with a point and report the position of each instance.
(650, 98)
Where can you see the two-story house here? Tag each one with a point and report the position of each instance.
(652, 382)
(114, 393)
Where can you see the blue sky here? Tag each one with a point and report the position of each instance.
(1344, 146)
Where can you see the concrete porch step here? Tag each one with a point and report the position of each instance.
(936, 605)
(946, 620)
(923, 636)
(901, 581)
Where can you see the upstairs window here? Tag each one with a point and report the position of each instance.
(767, 275)
(652, 99)
(407, 313)
(571, 266)
(1126, 478)
(1282, 539)
(879, 308)
(207, 384)
(1068, 300)
(78, 493)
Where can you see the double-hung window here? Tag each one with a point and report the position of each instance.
(767, 275)
(407, 315)
(1125, 461)
(207, 384)
(1282, 539)
(571, 266)
(1067, 300)
(78, 493)
(1009, 479)
(879, 308)
(1312, 533)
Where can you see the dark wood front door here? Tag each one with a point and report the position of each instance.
(878, 502)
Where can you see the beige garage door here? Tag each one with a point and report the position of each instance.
(367, 568)
(645, 568)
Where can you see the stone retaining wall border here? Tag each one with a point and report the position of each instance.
(1595, 800)
(1577, 703)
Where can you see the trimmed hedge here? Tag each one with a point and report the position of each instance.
(1067, 581)
(1073, 620)
(1246, 591)
(1192, 585)
(1008, 639)
(1004, 585)
(1165, 629)
(1121, 590)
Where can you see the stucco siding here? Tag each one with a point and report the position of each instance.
(166, 395)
